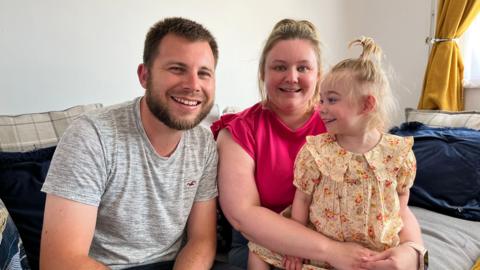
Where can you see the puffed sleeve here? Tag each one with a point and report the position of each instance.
(407, 172)
(306, 172)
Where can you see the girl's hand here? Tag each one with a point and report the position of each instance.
(292, 262)
(401, 257)
(348, 256)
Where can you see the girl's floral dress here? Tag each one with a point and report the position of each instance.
(354, 196)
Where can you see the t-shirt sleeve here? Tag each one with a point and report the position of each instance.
(306, 172)
(78, 168)
(207, 188)
(239, 129)
(406, 173)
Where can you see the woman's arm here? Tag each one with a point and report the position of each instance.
(300, 213)
(240, 202)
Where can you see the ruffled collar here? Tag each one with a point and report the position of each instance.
(384, 159)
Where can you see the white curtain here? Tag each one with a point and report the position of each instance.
(470, 47)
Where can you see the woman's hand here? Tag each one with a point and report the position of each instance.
(348, 255)
(401, 257)
(292, 262)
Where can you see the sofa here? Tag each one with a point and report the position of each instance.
(445, 197)
(27, 144)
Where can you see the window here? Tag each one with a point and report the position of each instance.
(470, 47)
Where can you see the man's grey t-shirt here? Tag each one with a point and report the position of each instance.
(105, 159)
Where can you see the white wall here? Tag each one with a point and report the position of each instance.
(472, 99)
(400, 28)
(56, 54)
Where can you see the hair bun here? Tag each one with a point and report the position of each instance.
(369, 48)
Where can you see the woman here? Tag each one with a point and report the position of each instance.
(257, 149)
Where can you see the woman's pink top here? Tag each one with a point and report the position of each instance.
(273, 147)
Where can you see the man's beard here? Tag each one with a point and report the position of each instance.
(161, 112)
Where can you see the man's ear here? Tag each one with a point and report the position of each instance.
(369, 104)
(143, 75)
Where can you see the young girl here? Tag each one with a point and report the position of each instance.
(352, 182)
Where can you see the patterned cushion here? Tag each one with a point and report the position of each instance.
(12, 253)
(434, 118)
(26, 132)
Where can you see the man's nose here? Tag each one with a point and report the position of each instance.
(192, 81)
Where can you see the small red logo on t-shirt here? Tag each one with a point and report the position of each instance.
(191, 183)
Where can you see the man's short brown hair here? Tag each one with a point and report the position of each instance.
(181, 27)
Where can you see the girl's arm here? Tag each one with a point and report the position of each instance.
(411, 228)
(240, 202)
(301, 206)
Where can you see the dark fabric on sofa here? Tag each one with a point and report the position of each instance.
(21, 178)
(448, 169)
(224, 232)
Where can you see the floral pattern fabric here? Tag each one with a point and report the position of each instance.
(354, 196)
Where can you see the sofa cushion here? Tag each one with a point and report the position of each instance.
(12, 253)
(448, 175)
(452, 243)
(21, 177)
(26, 132)
(435, 118)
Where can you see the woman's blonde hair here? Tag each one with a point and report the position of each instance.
(288, 29)
(364, 76)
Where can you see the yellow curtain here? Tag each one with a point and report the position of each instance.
(477, 265)
(442, 86)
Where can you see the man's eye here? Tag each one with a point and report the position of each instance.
(176, 69)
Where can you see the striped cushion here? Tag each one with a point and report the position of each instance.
(434, 118)
(26, 132)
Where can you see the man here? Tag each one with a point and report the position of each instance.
(134, 185)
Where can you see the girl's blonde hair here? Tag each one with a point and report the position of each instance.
(288, 29)
(364, 76)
